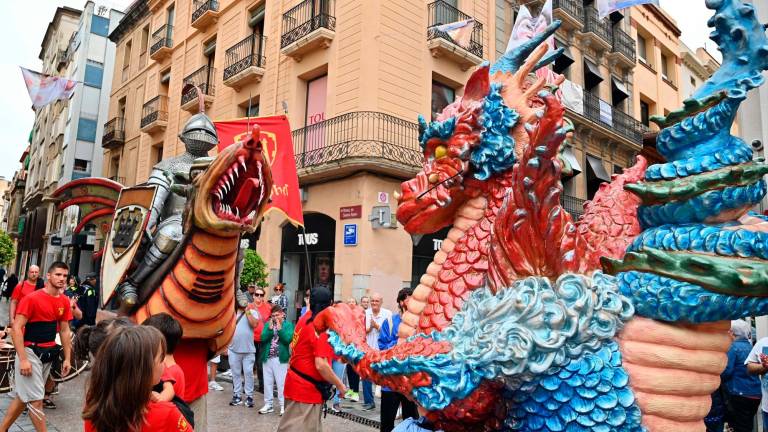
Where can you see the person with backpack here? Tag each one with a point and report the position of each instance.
(308, 384)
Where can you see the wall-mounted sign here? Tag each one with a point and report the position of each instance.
(383, 197)
(350, 234)
(308, 239)
(55, 241)
(351, 212)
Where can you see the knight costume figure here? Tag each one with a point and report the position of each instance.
(164, 227)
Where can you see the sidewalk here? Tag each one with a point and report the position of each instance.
(23, 423)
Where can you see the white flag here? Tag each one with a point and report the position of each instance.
(526, 26)
(459, 31)
(44, 89)
(607, 7)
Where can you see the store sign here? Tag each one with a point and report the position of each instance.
(55, 241)
(351, 212)
(436, 243)
(383, 198)
(350, 234)
(308, 239)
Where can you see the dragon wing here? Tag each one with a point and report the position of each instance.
(95, 197)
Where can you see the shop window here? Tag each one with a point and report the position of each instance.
(99, 25)
(442, 96)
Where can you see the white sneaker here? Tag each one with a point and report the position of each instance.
(282, 411)
(227, 373)
(213, 385)
(266, 409)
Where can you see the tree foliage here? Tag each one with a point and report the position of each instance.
(254, 270)
(7, 251)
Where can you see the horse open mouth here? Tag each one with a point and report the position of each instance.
(239, 192)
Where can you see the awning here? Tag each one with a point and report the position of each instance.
(565, 59)
(598, 169)
(574, 167)
(592, 69)
(619, 90)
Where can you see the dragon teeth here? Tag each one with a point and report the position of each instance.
(242, 162)
(252, 214)
(237, 212)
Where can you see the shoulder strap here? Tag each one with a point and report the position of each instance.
(307, 377)
(239, 317)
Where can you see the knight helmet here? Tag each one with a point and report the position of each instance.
(199, 135)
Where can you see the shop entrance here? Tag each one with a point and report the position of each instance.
(317, 242)
(424, 252)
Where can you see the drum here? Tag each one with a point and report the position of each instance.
(7, 356)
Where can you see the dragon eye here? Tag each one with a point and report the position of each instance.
(440, 151)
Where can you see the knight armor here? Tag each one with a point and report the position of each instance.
(164, 228)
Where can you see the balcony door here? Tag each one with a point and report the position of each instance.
(256, 22)
(447, 11)
(317, 94)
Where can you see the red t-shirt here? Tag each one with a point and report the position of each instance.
(160, 417)
(23, 289)
(191, 356)
(305, 346)
(265, 311)
(40, 306)
(175, 375)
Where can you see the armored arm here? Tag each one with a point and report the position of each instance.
(162, 180)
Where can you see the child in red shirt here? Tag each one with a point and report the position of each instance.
(172, 382)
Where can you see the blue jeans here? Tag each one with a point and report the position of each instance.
(338, 370)
(368, 393)
(765, 420)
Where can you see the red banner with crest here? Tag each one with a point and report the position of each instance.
(278, 149)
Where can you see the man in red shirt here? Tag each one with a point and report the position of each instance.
(39, 317)
(310, 361)
(23, 289)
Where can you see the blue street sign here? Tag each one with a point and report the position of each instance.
(350, 234)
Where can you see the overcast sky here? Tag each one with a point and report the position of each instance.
(24, 27)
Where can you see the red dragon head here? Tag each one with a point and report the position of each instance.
(477, 137)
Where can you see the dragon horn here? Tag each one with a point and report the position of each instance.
(511, 61)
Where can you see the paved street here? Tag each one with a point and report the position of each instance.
(221, 416)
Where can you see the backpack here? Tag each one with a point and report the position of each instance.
(180, 404)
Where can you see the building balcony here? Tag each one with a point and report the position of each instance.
(307, 26)
(204, 79)
(570, 12)
(614, 120)
(114, 133)
(362, 140)
(440, 43)
(245, 62)
(623, 51)
(206, 13)
(162, 42)
(61, 59)
(573, 205)
(598, 32)
(154, 115)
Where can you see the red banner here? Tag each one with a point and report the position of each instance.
(278, 149)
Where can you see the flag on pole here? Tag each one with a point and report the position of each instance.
(278, 150)
(607, 7)
(459, 31)
(526, 26)
(44, 89)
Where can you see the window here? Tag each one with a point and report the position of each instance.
(81, 165)
(596, 175)
(256, 19)
(144, 39)
(642, 49)
(127, 54)
(171, 15)
(645, 113)
(121, 107)
(99, 25)
(157, 153)
(693, 81)
(252, 110)
(94, 73)
(592, 77)
(665, 66)
(86, 130)
(442, 96)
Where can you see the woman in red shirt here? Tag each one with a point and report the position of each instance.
(126, 367)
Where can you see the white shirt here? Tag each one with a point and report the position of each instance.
(754, 357)
(372, 338)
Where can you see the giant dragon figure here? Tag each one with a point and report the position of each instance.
(529, 321)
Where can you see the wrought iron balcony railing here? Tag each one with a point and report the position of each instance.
(305, 18)
(440, 12)
(573, 205)
(162, 37)
(623, 44)
(203, 78)
(244, 54)
(361, 134)
(602, 112)
(155, 109)
(202, 6)
(601, 27)
(573, 8)
(114, 132)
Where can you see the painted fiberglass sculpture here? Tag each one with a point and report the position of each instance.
(529, 321)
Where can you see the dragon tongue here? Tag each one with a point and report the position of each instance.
(247, 195)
